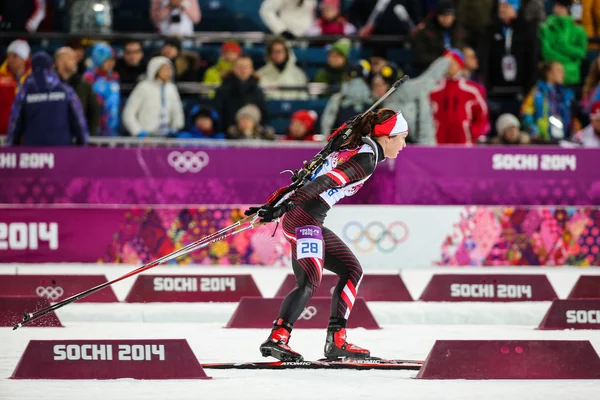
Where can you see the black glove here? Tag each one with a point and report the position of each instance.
(271, 213)
(288, 35)
(252, 211)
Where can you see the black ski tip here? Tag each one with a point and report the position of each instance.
(16, 326)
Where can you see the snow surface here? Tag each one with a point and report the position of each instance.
(409, 331)
(211, 343)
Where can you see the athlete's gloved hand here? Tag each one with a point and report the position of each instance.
(271, 213)
(252, 210)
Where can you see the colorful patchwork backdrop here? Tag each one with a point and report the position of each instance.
(147, 234)
(524, 236)
(411, 236)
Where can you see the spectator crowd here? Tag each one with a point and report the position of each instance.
(486, 72)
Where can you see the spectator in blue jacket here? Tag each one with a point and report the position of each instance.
(46, 111)
(203, 123)
(106, 84)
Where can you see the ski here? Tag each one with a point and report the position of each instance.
(358, 364)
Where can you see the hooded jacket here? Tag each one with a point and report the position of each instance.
(290, 75)
(152, 100)
(564, 41)
(46, 112)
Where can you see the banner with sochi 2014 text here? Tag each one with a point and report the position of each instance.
(445, 175)
(381, 237)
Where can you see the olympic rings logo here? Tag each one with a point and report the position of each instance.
(52, 293)
(375, 235)
(188, 161)
(308, 313)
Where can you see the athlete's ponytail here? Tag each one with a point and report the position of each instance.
(366, 126)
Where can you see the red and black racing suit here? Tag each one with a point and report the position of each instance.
(342, 175)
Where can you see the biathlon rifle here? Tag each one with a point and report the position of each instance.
(334, 142)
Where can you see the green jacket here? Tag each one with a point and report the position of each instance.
(214, 75)
(566, 42)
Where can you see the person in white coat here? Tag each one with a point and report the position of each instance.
(288, 18)
(281, 70)
(154, 107)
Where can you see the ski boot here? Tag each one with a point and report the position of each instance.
(336, 346)
(277, 343)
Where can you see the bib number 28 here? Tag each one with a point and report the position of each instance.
(309, 242)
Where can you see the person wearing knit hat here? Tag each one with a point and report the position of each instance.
(302, 126)
(17, 63)
(230, 52)
(457, 62)
(13, 73)
(106, 84)
(382, 81)
(564, 40)
(460, 112)
(341, 47)
(509, 131)
(19, 48)
(248, 125)
(337, 59)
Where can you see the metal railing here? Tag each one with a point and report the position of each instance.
(199, 37)
(127, 142)
(171, 142)
(313, 89)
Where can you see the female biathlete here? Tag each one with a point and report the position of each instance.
(380, 135)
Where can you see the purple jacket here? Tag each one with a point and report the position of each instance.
(46, 112)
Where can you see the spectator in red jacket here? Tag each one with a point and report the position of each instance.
(459, 111)
(13, 73)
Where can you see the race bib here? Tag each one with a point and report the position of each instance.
(309, 242)
(509, 68)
